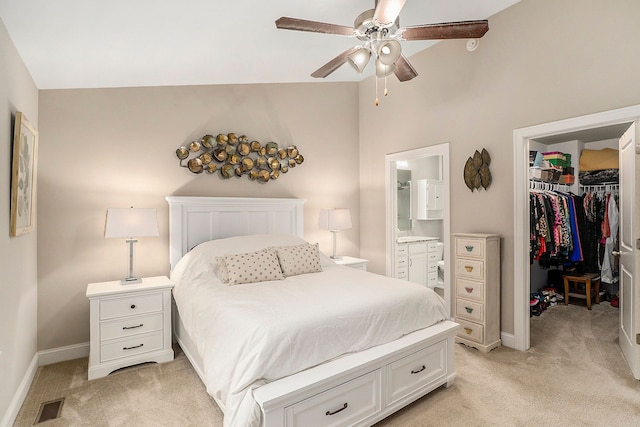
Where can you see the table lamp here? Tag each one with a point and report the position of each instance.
(335, 220)
(131, 223)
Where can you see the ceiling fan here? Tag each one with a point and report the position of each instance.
(380, 30)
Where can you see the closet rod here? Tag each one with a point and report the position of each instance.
(548, 186)
(601, 188)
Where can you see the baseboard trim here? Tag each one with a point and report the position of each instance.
(21, 393)
(508, 340)
(62, 354)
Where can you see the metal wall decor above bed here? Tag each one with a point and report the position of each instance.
(233, 155)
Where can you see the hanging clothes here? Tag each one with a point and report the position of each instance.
(607, 274)
(554, 228)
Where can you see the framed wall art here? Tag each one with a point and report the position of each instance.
(23, 176)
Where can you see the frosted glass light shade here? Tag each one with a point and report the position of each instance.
(335, 219)
(389, 51)
(131, 222)
(360, 58)
(384, 70)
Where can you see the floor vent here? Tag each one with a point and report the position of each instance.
(49, 410)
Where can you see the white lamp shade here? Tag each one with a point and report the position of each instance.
(384, 70)
(389, 51)
(360, 58)
(335, 219)
(132, 222)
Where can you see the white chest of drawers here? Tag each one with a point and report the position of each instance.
(477, 287)
(357, 263)
(130, 324)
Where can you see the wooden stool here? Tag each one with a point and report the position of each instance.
(587, 279)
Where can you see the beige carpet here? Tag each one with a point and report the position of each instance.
(574, 375)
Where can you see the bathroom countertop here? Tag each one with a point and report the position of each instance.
(408, 239)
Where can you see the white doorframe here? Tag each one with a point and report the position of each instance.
(521, 139)
(391, 202)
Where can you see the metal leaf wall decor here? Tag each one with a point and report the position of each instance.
(476, 170)
(233, 155)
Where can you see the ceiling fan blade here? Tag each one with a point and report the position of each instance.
(334, 64)
(404, 70)
(450, 30)
(388, 10)
(296, 24)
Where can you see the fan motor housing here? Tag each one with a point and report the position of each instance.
(365, 26)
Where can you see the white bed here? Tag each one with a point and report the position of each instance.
(298, 386)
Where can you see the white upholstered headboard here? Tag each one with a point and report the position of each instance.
(193, 220)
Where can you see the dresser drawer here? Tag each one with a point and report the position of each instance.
(470, 268)
(416, 370)
(125, 347)
(340, 406)
(470, 331)
(432, 257)
(128, 326)
(432, 267)
(432, 246)
(469, 310)
(402, 272)
(130, 305)
(401, 262)
(401, 251)
(470, 289)
(469, 247)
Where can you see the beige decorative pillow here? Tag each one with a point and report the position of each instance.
(253, 267)
(299, 259)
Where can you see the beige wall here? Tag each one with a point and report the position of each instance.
(116, 148)
(18, 262)
(541, 61)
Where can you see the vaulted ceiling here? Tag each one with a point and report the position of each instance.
(124, 43)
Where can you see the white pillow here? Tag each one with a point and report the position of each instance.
(299, 259)
(252, 267)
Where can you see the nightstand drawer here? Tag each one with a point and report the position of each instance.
(130, 305)
(130, 326)
(126, 347)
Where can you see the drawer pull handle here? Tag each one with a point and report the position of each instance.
(469, 248)
(468, 289)
(133, 306)
(338, 410)
(131, 348)
(468, 330)
(469, 268)
(133, 327)
(469, 310)
(417, 371)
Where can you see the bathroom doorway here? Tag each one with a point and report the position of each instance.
(417, 207)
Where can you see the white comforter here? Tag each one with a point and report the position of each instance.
(251, 334)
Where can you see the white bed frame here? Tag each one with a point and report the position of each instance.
(358, 389)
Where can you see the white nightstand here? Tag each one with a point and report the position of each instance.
(359, 263)
(130, 324)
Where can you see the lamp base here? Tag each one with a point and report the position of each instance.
(130, 280)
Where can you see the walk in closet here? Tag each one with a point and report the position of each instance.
(573, 217)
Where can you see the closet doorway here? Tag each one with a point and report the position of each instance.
(596, 127)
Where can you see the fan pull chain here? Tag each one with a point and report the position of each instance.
(385, 81)
(376, 91)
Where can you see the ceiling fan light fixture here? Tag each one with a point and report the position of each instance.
(383, 69)
(389, 51)
(359, 59)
